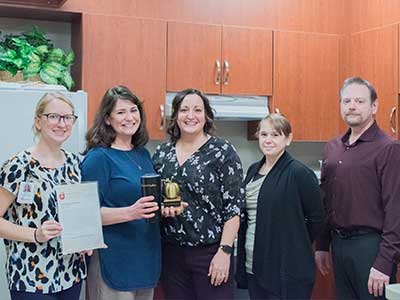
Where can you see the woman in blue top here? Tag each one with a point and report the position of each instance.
(116, 159)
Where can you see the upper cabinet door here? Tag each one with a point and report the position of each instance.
(306, 83)
(194, 57)
(247, 61)
(375, 57)
(125, 51)
(219, 59)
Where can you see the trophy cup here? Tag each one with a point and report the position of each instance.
(171, 194)
(151, 186)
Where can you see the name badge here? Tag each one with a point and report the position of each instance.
(26, 193)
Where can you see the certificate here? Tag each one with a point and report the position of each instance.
(79, 216)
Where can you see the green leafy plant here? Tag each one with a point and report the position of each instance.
(34, 54)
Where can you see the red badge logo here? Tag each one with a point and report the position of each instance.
(61, 196)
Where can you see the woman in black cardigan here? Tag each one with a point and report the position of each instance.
(283, 215)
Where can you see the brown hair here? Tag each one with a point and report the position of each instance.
(42, 104)
(102, 134)
(173, 128)
(278, 122)
(359, 81)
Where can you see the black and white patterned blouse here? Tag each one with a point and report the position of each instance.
(211, 182)
(33, 267)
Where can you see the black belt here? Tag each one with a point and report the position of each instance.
(348, 233)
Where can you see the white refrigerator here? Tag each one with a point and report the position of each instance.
(17, 106)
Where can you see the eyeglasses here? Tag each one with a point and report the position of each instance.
(54, 118)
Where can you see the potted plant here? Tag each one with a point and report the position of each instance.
(34, 55)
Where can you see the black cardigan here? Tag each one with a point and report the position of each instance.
(289, 216)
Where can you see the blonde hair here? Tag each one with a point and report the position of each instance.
(44, 101)
(278, 122)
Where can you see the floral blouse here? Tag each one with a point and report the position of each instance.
(33, 267)
(210, 180)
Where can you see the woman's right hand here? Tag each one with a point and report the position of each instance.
(49, 230)
(143, 208)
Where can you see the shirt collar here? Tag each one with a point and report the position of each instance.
(367, 136)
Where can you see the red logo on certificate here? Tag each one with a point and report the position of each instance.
(61, 196)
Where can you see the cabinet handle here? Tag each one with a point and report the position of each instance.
(218, 66)
(162, 114)
(391, 120)
(226, 68)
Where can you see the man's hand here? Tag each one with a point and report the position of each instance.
(323, 261)
(376, 282)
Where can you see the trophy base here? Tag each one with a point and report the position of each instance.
(172, 202)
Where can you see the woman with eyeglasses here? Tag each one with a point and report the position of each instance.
(35, 265)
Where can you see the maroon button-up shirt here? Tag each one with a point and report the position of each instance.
(361, 183)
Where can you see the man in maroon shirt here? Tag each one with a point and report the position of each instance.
(361, 182)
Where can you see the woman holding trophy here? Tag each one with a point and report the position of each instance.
(116, 159)
(198, 244)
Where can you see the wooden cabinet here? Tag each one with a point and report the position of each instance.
(193, 52)
(128, 51)
(375, 57)
(306, 83)
(219, 59)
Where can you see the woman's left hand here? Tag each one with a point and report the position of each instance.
(219, 268)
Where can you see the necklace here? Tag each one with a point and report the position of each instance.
(133, 159)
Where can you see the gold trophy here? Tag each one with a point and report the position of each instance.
(171, 194)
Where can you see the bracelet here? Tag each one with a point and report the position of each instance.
(35, 237)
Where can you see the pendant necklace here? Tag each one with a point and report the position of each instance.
(134, 159)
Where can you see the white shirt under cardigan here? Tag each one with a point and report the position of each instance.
(252, 191)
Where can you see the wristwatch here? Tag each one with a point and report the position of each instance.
(226, 248)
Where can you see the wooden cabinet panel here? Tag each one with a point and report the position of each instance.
(369, 14)
(345, 71)
(192, 53)
(194, 50)
(249, 55)
(127, 51)
(326, 16)
(375, 57)
(195, 11)
(306, 83)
